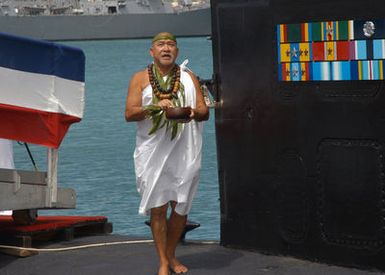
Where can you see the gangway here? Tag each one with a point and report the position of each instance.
(26, 191)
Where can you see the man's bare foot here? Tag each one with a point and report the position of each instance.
(164, 270)
(177, 267)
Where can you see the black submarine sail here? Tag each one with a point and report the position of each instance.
(301, 127)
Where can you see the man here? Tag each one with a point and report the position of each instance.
(168, 154)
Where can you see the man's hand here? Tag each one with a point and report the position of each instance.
(165, 103)
(192, 114)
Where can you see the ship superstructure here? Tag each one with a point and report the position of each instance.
(98, 19)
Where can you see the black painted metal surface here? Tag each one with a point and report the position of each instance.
(301, 164)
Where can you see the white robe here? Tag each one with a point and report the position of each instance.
(168, 170)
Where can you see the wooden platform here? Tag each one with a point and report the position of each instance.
(51, 228)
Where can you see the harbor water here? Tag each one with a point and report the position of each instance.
(95, 157)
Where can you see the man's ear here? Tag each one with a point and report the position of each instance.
(151, 52)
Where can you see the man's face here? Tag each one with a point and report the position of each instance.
(164, 52)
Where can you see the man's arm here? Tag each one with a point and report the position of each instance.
(201, 111)
(134, 110)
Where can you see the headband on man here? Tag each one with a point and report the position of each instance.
(163, 36)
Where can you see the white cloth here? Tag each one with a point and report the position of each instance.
(6, 161)
(168, 170)
(6, 154)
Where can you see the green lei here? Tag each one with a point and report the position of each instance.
(155, 112)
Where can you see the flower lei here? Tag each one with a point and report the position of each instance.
(164, 90)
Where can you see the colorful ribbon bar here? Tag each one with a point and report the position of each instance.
(332, 71)
(331, 50)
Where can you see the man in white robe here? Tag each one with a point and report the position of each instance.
(167, 167)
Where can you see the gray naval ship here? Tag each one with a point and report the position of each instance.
(104, 19)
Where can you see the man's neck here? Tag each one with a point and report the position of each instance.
(165, 70)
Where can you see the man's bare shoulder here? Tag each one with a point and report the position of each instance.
(140, 76)
(140, 79)
(193, 76)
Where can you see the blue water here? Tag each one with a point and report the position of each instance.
(95, 157)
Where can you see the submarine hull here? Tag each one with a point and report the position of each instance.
(301, 141)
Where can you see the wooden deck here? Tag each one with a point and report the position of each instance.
(51, 228)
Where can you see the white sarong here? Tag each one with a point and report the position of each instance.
(168, 170)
